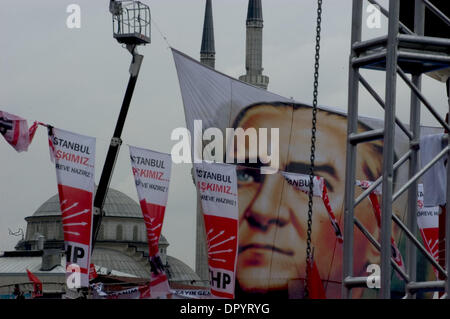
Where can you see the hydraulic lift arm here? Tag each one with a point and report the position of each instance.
(116, 142)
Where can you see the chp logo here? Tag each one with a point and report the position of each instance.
(77, 223)
(153, 219)
(222, 249)
(76, 207)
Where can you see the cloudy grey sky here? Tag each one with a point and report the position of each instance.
(75, 79)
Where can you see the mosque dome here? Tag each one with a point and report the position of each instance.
(111, 259)
(121, 245)
(117, 204)
(179, 272)
(122, 221)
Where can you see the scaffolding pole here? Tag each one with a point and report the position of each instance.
(414, 125)
(352, 128)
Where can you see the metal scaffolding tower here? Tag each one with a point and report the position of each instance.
(401, 52)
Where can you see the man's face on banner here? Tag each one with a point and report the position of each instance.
(273, 214)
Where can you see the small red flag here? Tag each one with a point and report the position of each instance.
(145, 292)
(37, 284)
(315, 286)
(15, 131)
(32, 131)
(92, 273)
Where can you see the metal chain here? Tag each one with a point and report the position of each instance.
(313, 142)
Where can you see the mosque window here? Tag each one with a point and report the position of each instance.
(135, 233)
(101, 232)
(60, 231)
(119, 232)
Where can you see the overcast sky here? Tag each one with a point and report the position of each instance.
(75, 79)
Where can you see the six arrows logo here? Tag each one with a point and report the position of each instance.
(212, 243)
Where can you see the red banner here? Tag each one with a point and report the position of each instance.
(314, 283)
(217, 184)
(74, 158)
(151, 171)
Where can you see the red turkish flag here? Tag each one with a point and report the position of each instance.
(37, 284)
(92, 272)
(314, 283)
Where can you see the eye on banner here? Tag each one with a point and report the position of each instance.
(217, 185)
(74, 158)
(151, 171)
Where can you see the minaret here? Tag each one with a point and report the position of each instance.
(207, 57)
(207, 51)
(253, 58)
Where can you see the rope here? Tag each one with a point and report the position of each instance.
(160, 32)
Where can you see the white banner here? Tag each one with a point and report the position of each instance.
(217, 185)
(151, 171)
(139, 292)
(192, 293)
(428, 222)
(74, 158)
(301, 182)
